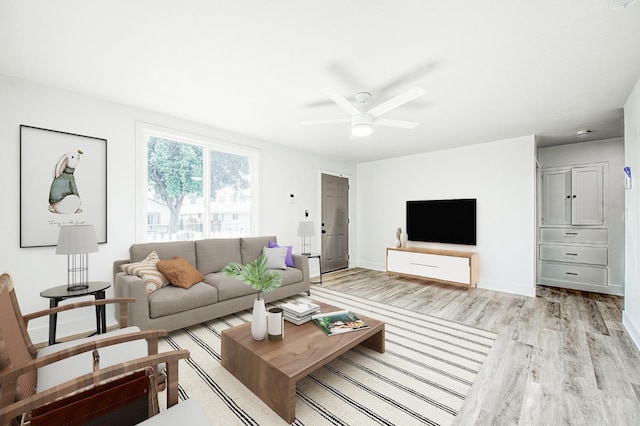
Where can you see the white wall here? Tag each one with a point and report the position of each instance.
(611, 152)
(283, 171)
(500, 175)
(631, 314)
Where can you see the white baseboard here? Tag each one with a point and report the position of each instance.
(632, 328)
(510, 287)
(373, 266)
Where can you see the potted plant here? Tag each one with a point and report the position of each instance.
(257, 275)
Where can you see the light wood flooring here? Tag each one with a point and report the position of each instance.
(561, 358)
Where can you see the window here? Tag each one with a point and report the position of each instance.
(195, 187)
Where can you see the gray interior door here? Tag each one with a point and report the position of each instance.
(335, 223)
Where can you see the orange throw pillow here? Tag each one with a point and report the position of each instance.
(180, 272)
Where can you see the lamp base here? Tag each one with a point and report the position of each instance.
(76, 287)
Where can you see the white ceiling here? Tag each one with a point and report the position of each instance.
(492, 69)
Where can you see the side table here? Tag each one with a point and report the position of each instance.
(316, 256)
(60, 293)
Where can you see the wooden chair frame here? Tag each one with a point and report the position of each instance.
(9, 408)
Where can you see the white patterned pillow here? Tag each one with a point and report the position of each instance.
(148, 272)
(276, 257)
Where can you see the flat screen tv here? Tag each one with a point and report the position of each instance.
(442, 221)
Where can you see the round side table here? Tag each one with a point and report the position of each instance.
(60, 293)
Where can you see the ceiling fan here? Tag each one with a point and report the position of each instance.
(362, 121)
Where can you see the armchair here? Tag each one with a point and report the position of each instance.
(30, 378)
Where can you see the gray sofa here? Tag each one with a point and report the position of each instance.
(172, 307)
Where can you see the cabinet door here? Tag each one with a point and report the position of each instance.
(399, 261)
(586, 198)
(556, 197)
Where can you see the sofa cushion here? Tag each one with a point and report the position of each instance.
(172, 300)
(276, 257)
(147, 270)
(180, 272)
(251, 248)
(165, 250)
(215, 253)
(291, 276)
(228, 287)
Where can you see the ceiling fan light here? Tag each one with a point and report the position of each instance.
(361, 130)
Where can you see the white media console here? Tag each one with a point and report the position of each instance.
(450, 266)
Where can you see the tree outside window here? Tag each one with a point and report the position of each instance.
(177, 181)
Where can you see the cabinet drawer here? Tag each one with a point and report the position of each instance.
(572, 273)
(439, 260)
(573, 235)
(445, 268)
(574, 254)
(458, 275)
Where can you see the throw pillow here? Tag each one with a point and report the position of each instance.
(276, 257)
(289, 259)
(148, 272)
(180, 272)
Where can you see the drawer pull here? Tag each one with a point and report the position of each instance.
(428, 266)
(571, 254)
(570, 233)
(571, 273)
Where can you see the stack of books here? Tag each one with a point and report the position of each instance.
(299, 312)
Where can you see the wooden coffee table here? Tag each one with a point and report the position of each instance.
(271, 368)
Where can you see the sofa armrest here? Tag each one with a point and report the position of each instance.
(126, 285)
(116, 267)
(302, 262)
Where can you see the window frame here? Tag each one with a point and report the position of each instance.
(146, 130)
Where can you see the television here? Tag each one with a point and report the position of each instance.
(442, 221)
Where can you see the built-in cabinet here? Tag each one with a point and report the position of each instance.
(580, 217)
(572, 196)
(573, 244)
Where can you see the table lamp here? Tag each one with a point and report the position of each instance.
(77, 241)
(306, 231)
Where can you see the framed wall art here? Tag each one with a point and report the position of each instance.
(63, 181)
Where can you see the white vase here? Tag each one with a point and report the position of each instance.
(259, 320)
(403, 239)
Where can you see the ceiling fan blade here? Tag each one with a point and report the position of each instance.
(336, 97)
(395, 123)
(395, 102)
(333, 120)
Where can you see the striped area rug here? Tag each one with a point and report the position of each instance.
(422, 379)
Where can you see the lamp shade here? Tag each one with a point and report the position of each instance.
(77, 239)
(306, 229)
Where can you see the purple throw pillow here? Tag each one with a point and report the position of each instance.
(289, 260)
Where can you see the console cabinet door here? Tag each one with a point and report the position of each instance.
(399, 261)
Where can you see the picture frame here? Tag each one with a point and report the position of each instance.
(63, 181)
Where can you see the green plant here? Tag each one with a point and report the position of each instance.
(255, 274)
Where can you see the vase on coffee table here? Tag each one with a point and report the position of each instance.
(257, 275)
(259, 320)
